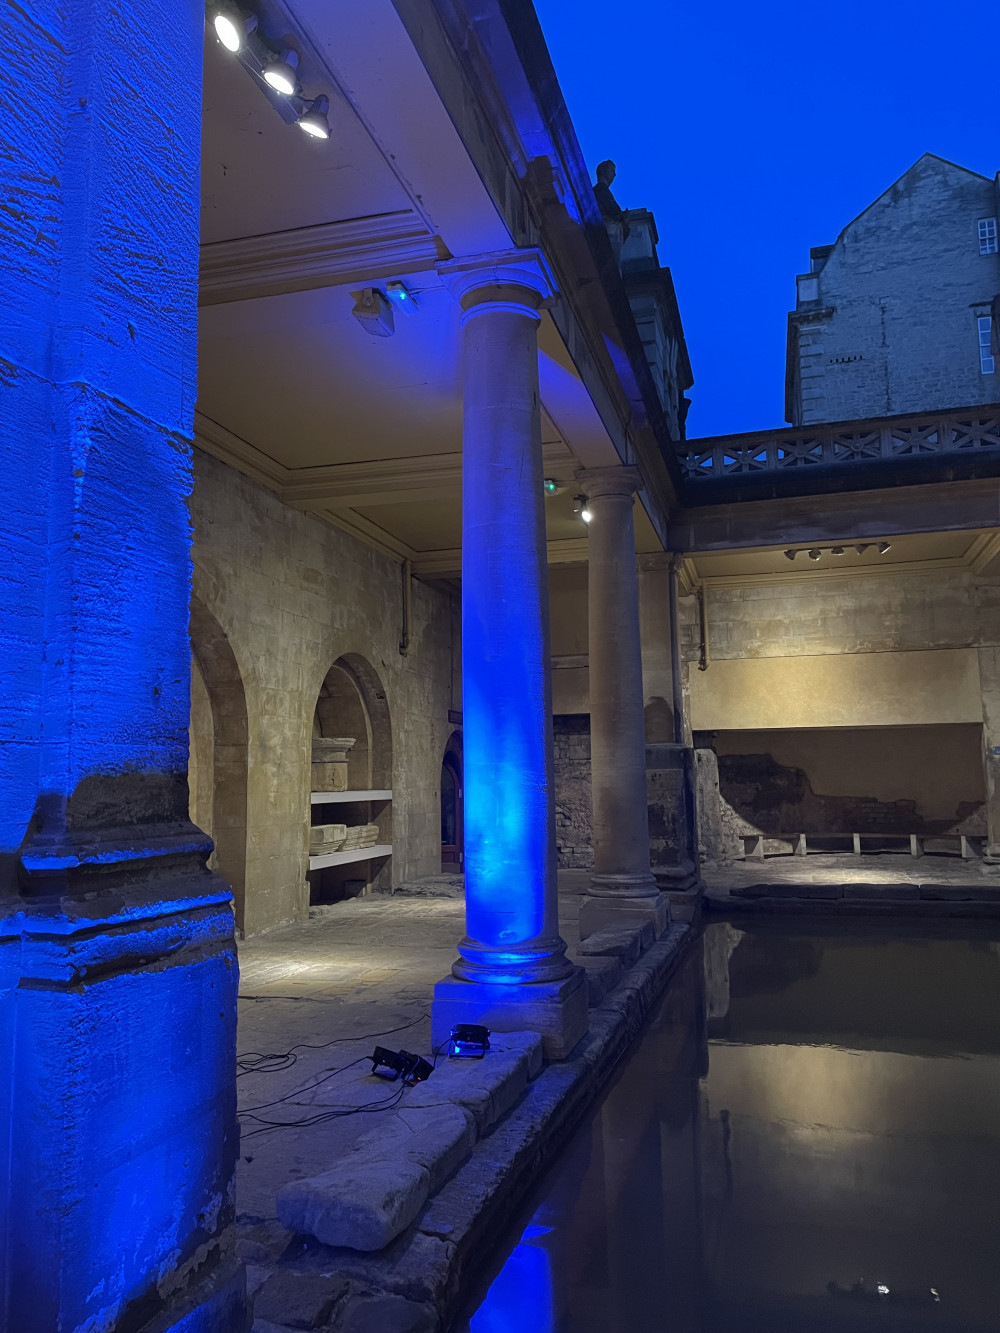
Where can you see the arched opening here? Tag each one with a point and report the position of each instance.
(218, 758)
(452, 814)
(350, 839)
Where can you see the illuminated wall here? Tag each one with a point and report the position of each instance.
(117, 994)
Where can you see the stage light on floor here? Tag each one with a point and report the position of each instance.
(393, 1065)
(468, 1041)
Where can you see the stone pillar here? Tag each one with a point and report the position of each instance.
(622, 887)
(118, 1131)
(513, 971)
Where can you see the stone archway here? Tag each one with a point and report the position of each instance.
(218, 765)
(452, 814)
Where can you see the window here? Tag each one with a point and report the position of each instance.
(987, 365)
(987, 236)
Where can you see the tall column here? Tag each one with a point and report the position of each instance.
(512, 972)
(118, 972)
(989, 678)
(622, 887)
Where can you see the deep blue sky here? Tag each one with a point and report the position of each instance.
(756, 131)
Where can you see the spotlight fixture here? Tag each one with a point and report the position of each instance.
(281, 72)
(403, 1065)
(836, 550)
(814, 554)
(373, 312)
(468, 1041)
(232, 26)
(790, 555)
(861, 548)
(581, 507)
(313, 118)
(550, 486)
(883, 547)
(401, 297)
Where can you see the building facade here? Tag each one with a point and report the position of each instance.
(897, 315)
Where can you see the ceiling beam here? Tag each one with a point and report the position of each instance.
(330, 254)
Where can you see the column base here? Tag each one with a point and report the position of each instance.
(557, 1010)
(596, 913)
(217, 1305)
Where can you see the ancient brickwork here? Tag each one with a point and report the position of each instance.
(574, 815)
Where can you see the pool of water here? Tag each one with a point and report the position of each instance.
(805, 1140)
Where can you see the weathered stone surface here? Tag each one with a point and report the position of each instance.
(625, 942)
(386, 1314)
(603, 974)
(438, 1139)
(882, 892)
(361, 1204)
(487, 1088)
(824, 891)
(953, 892)
(298, 1300)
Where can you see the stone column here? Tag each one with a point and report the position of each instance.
(513, 972)
(989, 678)
(622, 887)
(118, 1132)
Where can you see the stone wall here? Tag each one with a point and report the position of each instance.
(889, 321)
(292, 595)
(574, 815)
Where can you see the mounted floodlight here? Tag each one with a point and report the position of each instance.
(790, 555)
(550, 486)
(581, 507)
(861, 548)
(281, 72)
(313, 117)
(836, 550)
(232, 26)
(373, 312)
(883, 547)
(403, 1065)
(814, 554)
(468, 1041)
(401, 297)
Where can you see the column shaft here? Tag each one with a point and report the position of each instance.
(512, 942)
(622, 879)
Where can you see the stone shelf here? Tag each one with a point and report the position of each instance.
(336, 797)
(345, 858)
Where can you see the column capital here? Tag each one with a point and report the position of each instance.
(609, 481)
(519, 281)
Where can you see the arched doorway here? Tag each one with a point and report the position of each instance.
(452, 814)
(218, 757)
(352, 706)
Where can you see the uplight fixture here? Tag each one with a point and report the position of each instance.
(281, 72)
(313, 118)
(232, 26)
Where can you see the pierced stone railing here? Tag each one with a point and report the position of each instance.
(843, 443)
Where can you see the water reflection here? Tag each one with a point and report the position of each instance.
(805, 1141)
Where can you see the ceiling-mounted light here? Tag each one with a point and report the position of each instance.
(861, 548)
(790, 555)
(232, 26)
(814, 554)
(550, 486)
(836, 550)
(581, 507)
(883, 547)
(281, 72)
(313, 117)
(401, 297)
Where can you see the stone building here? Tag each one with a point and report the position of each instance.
(897, 315)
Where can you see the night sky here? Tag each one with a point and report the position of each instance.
(756, 131)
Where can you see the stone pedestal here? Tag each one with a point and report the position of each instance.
(118, 970)
(512, 960)
(329, 762)
(622, 886)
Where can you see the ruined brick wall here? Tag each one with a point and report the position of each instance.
(574, 815)
(891, 323)
(293, 595)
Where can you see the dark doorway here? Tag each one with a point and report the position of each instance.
(452, 841)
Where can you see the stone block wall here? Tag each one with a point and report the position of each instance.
(574, 815)
(292, 595)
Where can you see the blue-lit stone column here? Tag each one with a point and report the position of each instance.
(512, 972)
(117, 964)
(622, 887)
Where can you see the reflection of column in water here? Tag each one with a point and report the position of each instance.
(520, 1298)
(720, 941)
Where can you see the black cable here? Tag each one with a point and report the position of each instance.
(386, 1104)
(297, 1092)
(253, 1062)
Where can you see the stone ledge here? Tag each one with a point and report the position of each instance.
(427, 1265)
